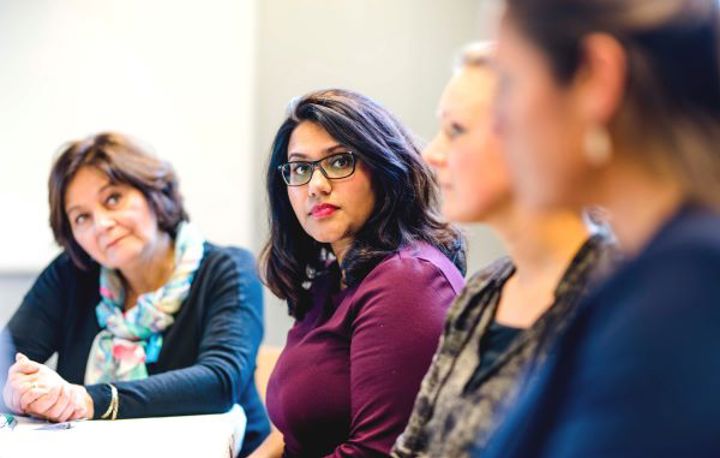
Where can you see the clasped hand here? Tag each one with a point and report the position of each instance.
(34, 389)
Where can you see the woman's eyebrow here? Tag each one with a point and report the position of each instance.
(304, 157)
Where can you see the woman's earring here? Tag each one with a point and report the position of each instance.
(597, 146)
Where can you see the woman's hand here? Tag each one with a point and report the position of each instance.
(37, 390)
(21, 379)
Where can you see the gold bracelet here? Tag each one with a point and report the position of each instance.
(116, 405)
(113, 407)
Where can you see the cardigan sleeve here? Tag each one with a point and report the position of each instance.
(231, 334)
(6, 360)
(34, 329)
(395, 334)
(36, 326)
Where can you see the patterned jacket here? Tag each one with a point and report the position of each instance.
(457, 422)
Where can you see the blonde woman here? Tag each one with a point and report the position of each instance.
(498, 325)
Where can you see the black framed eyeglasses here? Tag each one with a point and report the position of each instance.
(333, 167)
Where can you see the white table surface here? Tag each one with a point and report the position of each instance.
(201, 436)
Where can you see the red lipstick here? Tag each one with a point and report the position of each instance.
(323, 210)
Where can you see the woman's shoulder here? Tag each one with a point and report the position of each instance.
(492, 270)
(491, 276)
(61, 283)
(676, 272)
(226, 266)
(63, 269)
(227, 270)
(217, 257)
(62, 262)
(693, 231)
(414, 263)
(411, 279)
(687, 245)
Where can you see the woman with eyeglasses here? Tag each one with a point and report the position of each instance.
(358, 250)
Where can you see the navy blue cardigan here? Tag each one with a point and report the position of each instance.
(638, 372)
(207, 361)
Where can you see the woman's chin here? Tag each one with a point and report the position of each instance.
(329, 237)
(118, 260)
(325, 238)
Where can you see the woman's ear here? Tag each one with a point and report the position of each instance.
(601, 78)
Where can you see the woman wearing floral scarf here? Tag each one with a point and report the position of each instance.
(147, 318)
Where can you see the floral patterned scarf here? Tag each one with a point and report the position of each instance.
(129, 340)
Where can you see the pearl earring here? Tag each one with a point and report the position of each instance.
(597, 145)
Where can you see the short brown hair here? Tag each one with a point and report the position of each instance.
(123, 161)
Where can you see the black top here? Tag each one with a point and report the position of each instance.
(496, 340)
(638, 371)
(207, 361)
(493, 344)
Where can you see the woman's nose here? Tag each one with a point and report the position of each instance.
(104, 221)
(319, 183)
(435, 153)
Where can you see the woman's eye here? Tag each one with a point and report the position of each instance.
(340, 162)
(300, 169)
(455, 130)
(80, 219)
(113, 199)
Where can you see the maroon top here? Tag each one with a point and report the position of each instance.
(345, 384)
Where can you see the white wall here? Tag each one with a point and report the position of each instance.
(206, 84)
(178, 75)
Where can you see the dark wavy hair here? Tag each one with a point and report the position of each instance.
(123, 161)
(406, 204)
(672, 93)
